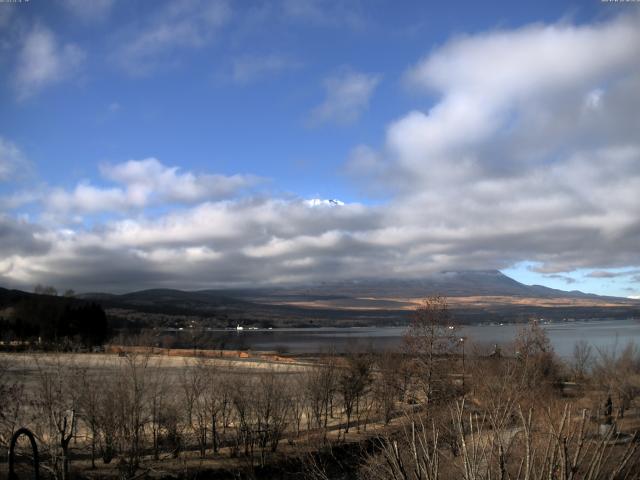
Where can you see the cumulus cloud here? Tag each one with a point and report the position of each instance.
(18, 237)
(239, 242)
(178, 25)
(347, 97)
(508, 164)
(43, 61)
(529, 152)
(141, 183)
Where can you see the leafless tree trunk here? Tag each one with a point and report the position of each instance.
(321, 387)
(158, 386)
(430, 336)
(55, 405)
(353, 381)
(618, 373)
(194, 385)
(582, 359)
(132, 398)
(537, 447)
(12, 391)
(89, 393)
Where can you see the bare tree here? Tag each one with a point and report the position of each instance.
(430, 337)
(132, 395)
(582, 359)
(171, 428)
(89, 393)
(272, 406)
(54, 406)
(108, 416)
(298, 400)
(562, 446)
(353, 381)
(242, 401)
(45, 290)
(539, 366)
(216, 400)
(194, 386)
(321, 388)
(618, 373)
(158, 386)
(387, 385)
(12, 390)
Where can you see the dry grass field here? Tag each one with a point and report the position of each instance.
(410, 303)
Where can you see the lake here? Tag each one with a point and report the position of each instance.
(602, 334)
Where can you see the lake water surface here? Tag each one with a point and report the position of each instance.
(601, 334)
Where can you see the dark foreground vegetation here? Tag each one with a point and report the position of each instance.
(46, 319)
(441, 408)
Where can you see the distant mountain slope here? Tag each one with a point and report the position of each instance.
(474, 295)
(169, 300)
(9, 297)
(464, 283)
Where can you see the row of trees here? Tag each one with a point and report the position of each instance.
(480, 417)
(136, 406)
(54, 320)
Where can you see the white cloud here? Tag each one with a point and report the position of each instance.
(593, 99)
(15, 200)
(89, 10)
(225, 243)
(149, 176)
(508, 66)
(324, 13)
(87, 198)
(508, 164)
(499, 170)
(43, 61)
(20, 238)
(142, 183)
(12, 160)
(249, 68)
(612, 274)
(322, 202)
(347, 97)
(180, 24)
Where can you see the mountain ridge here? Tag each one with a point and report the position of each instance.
(474, 296)
(450, 283)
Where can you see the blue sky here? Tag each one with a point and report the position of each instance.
(179, 143)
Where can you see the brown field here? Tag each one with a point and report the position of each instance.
(409, 303)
